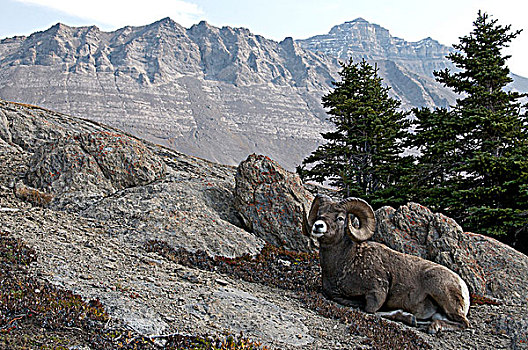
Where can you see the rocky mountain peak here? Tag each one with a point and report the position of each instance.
(288, 44)
(202, 27)
(165, 21)
(358, 20)
(165, 26)
(64, 32)
(361, 39)
(359, 26)
(59, 28)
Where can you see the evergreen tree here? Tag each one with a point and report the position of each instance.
(361, 155)
(435, 138)
(476, 152)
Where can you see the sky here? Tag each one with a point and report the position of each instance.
(412, 20)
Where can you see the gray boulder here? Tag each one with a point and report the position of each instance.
(489, 267)
(30, 127)
(125, 161)
(270, 201)
(83, 169)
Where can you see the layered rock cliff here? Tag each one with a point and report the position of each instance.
(217, 93)
(405, 66)
(360, 39)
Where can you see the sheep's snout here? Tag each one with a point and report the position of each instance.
(319, 228)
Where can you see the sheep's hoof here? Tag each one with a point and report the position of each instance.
(434, 327)
(412, 321)
(408, 319)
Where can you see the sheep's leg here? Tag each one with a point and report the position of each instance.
(455, 312)
(357, 303)
(399, 315)
(452, 296)
(374, 301)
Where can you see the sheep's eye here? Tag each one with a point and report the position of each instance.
(340, 219)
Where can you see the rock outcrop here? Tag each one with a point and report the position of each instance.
(270, 201)
(154, 250)
(489, 267)
(105, 174)
(81, 170)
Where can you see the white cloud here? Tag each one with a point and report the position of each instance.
(119, 13)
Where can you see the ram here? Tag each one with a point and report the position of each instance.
(357, 272)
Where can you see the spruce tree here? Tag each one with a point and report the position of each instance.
(360, 157)
(435, 138)
(477, 151)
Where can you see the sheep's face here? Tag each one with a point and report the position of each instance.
(330, 221)
(329, 225)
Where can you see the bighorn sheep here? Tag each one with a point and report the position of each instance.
(371, 275)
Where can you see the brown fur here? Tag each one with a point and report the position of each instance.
(374, 276)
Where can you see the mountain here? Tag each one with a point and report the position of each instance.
(360, 39)
(519, 83)
(405, 66)
(217, 93)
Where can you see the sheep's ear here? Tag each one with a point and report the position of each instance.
(367, 221)
(305, 226)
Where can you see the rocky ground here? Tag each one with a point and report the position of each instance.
(136, 249)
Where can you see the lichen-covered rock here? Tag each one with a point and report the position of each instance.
(63, 166)
(25, 128)
(32, 195)
(126, 162)
(489, 267)
(82, 169)
(30, 127)
(514, 325)
(270, 200)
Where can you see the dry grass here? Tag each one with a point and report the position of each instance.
(37, 315)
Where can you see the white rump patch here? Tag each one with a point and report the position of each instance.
(465, 294)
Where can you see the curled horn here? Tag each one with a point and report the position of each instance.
(309, 220)
(367, 221)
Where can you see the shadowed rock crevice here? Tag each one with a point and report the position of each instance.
(220, 200)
